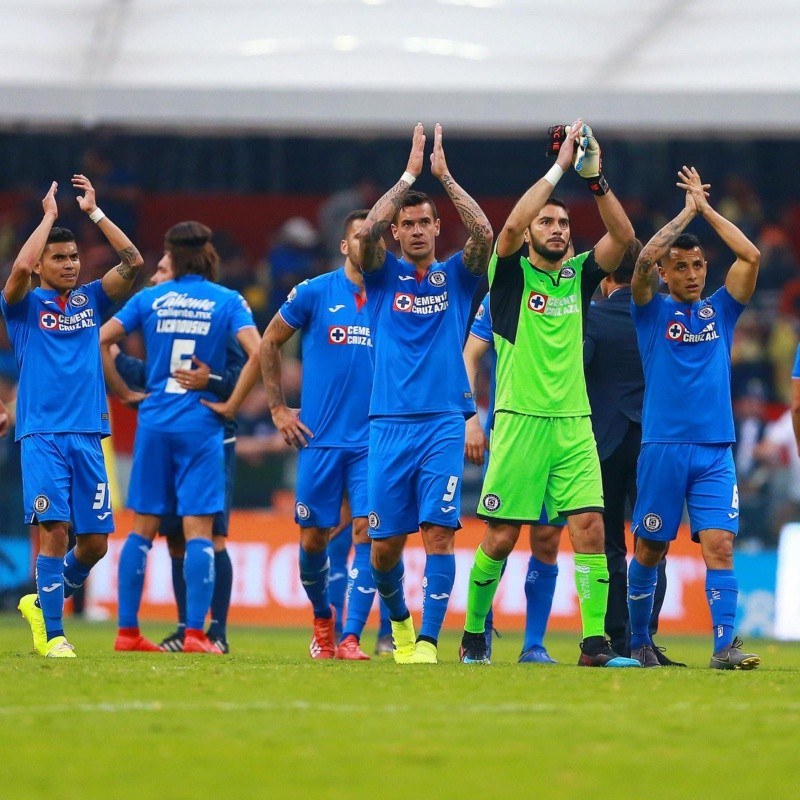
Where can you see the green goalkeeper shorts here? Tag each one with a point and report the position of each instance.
(535, 461)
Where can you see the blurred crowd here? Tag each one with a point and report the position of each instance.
(300, 247)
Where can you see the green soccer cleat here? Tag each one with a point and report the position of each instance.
(424, 653)
(59, 647)
(404, 638)
(34, 617)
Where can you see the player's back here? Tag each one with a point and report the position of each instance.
(179, 319)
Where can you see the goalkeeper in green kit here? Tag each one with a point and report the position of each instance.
(542, 446)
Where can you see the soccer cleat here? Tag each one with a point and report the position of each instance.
(424, 653)
(473, 649)
(536, 655)
(404, 638)
(221, 643)
(172, 643)
(384, 646)
(59, 647)
(34, 617)
(130, 639)
(597, 652)
(349, 649)
(646, 655)
(198, 642)
(490, 632)
(732, 657)
(322, 642)
(664, 659)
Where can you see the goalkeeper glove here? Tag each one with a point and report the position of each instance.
(589, 164)
(556, 134)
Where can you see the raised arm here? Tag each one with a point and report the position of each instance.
(373, 248)
(286, 420)
(511, 238)
(118, 280)
(741, 279)
(609, 250)
(19, 281)
(475, 444)
(479, 245)
(644, 284)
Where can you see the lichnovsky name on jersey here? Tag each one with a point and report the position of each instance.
(427, 304)
(677, 332)
(350, 334)
(50, 321)
(179, 313)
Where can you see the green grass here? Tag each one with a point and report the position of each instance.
(266, 722)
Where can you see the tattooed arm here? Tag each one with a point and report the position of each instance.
(118, 280)
(373, 248)
(479, 245)
(644, 284)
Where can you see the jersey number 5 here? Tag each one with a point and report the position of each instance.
(180, 358)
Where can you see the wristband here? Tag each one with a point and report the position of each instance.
(213, 377)
(598, 185)
(96, 215)
(553, 175)
(408, 178)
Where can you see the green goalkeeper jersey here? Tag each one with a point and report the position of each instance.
(537, 322)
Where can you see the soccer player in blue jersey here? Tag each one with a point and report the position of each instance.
(198, 378)
(687, 418)
(62, 412)
(419, 310)
(544, 536)
(178, 458)
(330, 430)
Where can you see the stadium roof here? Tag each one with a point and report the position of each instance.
(358, 67)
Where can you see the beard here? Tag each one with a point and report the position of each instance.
(548, 254)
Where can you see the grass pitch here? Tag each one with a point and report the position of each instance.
(267, 722)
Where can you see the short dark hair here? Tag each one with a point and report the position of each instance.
(686, 241)
(556, 201)
(189, 245)
(362, 213)
(58, 235)
(623, 274)
(412, 198)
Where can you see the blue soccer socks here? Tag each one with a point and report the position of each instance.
(641, 591)
(722, 592)
(130, 578)
(198, 570)
(437, 586)
(221, 598)
(390, 588)
(314, 571)
(361, 591)
(540, 586)
(75, 573)
(50, 587)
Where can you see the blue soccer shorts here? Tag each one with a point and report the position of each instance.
(172, 524)
(181, 473)
(702, 475)
(64, 479)
(324, 474)
(414, 475)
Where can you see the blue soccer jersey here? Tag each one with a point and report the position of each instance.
(686, 355)
(419, 325)
(337, 358)
(482, 329)
(57, 347)
(180, 319)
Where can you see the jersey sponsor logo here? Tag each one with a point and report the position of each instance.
(350, 334)
(567, 273)
(291, 296)
(423, 305)
(437, 278)
(181, 301)
(403, 302)
(103, 515)
(302, 511)
(652, 522)
(337, 307)
(373, 520)
(78, 299)
(41, 503)
(706, 312)
(405, 277)
(553, 306)
(447, 509)
(50, 321)
(51, 588)
(677, 332)
(481, 312)
(492, 502)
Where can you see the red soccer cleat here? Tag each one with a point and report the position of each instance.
(323, 644)
(195, 641)
(349, 649)
(130, 639)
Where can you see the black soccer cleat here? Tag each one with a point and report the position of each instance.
(473, 649)
(597, 652)
(172, 643)
(732, 657)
